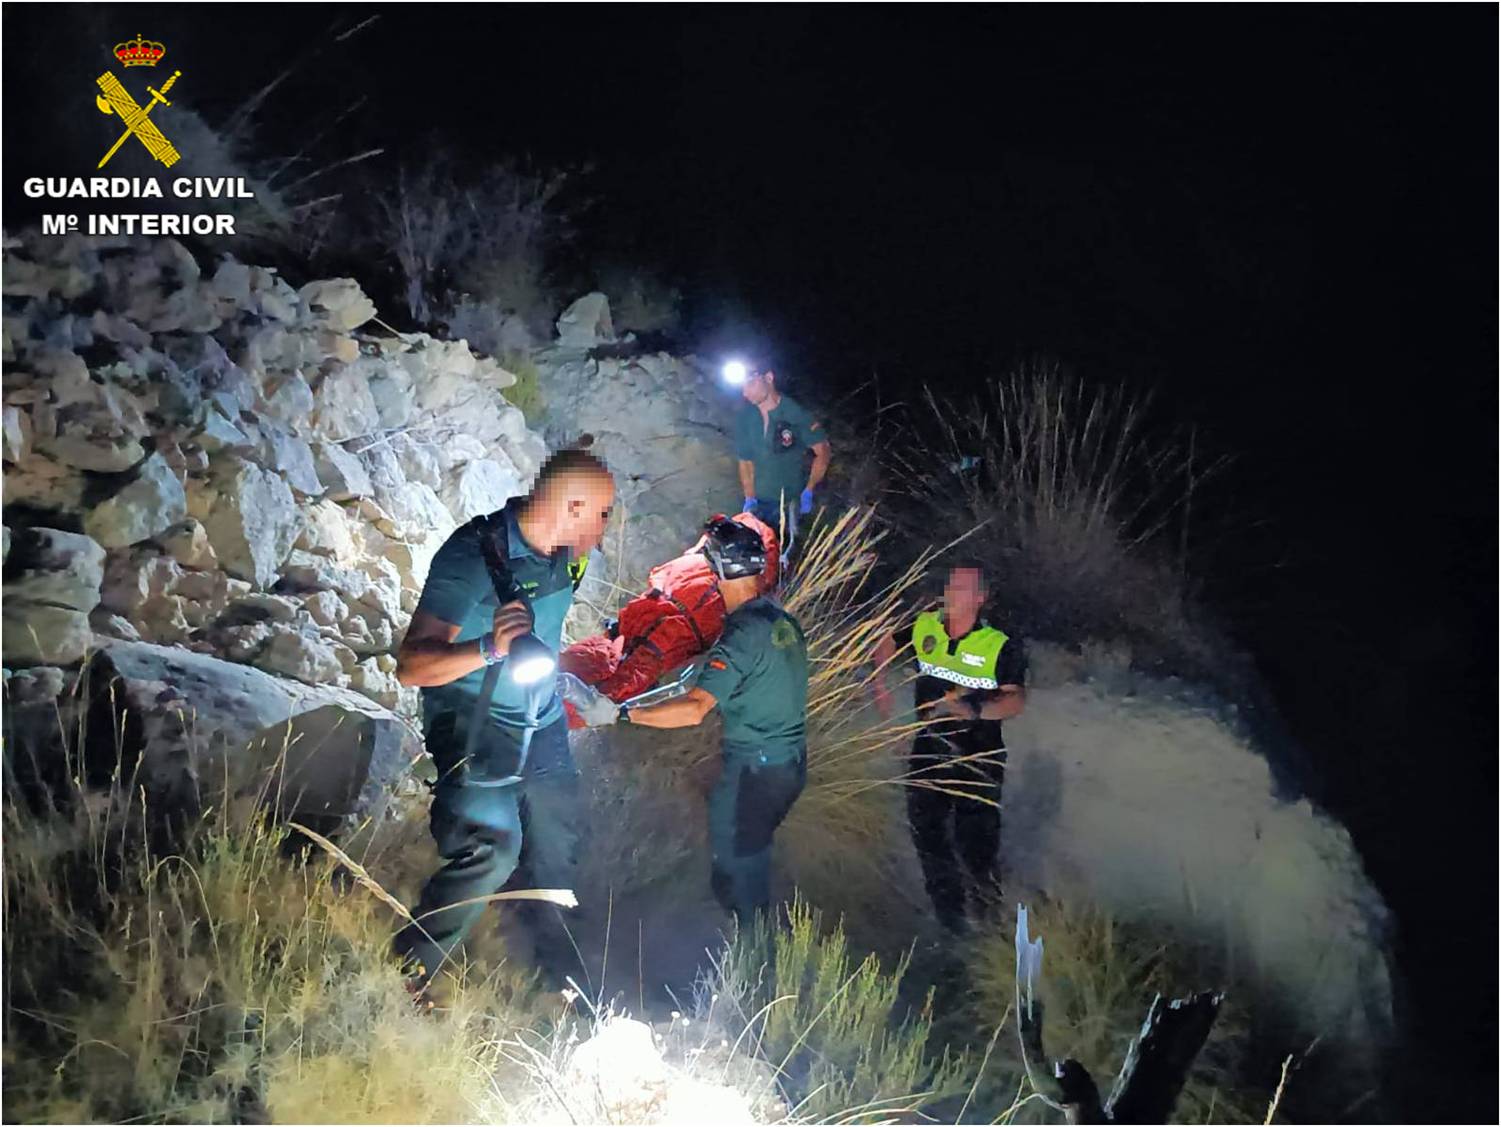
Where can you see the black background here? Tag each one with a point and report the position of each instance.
(1280, 219)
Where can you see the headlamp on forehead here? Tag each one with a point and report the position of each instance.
(735, 372)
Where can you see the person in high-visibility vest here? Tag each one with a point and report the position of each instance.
(971, 675)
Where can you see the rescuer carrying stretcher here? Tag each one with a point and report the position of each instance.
(756, 674)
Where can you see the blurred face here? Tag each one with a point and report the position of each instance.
(757, 386)
(964, 593)
(590, 501)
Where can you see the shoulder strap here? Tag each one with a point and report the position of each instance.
(495, 545)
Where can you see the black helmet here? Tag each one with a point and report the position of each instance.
(734, 551)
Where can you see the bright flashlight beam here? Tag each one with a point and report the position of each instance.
(734, 372)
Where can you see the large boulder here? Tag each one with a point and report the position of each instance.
(253, 522)
(193, 721)
(151, 503)
(586, 323)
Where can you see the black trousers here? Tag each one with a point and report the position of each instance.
(754, 794)
(958, 839)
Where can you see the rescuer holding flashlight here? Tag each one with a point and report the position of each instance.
(773, 434)
(483, 646)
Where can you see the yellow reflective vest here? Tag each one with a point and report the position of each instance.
(972, 663)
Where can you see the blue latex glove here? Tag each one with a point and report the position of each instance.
(805, 505)
(749, 506)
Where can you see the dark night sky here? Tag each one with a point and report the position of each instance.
(1282, 219)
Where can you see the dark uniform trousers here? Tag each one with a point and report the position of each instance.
(479, 832)
(754, 794)
(958, 840)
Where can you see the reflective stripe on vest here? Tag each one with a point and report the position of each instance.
(973, 661)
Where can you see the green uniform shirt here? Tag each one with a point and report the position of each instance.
(777, 447)
(460, 592)
(758, 674)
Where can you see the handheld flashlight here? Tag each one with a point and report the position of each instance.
(735, 373)
(530, 660)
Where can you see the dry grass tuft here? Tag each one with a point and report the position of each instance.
(1079, 501)
(226, 982)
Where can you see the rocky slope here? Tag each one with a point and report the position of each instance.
(203, 460)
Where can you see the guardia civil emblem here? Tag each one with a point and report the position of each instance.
(137, 52)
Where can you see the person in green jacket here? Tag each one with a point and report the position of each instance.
(757, 676)
(773, 436)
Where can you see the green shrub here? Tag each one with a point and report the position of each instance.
(526, 393)
(831, 1021)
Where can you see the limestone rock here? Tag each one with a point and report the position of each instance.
(38, 634)
(338, 303)
(288, 399)
(481, 487)
(341, 473)
(370, 680)
(150, 504)
(324, 752)
(391, 388)
(300, 657)
(344, 407)
(46, 565)
(325, 608)
(254, 521)
(220, 434)
(304, 572)
(328, 532)
(45, 484)
(187, 543)
(290, 456)
(98, 454)
(586, 323)
(418, 460)
(135, 577)
(111, 625)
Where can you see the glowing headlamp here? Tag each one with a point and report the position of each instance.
(735, 373)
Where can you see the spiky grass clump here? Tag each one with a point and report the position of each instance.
(1099, 977)
(832, 1023)
(1080, 503)
(224, 982)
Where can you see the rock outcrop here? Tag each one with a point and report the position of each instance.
(204, 458)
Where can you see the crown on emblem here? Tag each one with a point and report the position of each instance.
(139, 52)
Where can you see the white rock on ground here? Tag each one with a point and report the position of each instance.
(340, 752)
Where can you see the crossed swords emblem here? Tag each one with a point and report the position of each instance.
(117, 100)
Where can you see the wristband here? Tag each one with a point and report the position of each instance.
(488, 651)
(624, 715)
